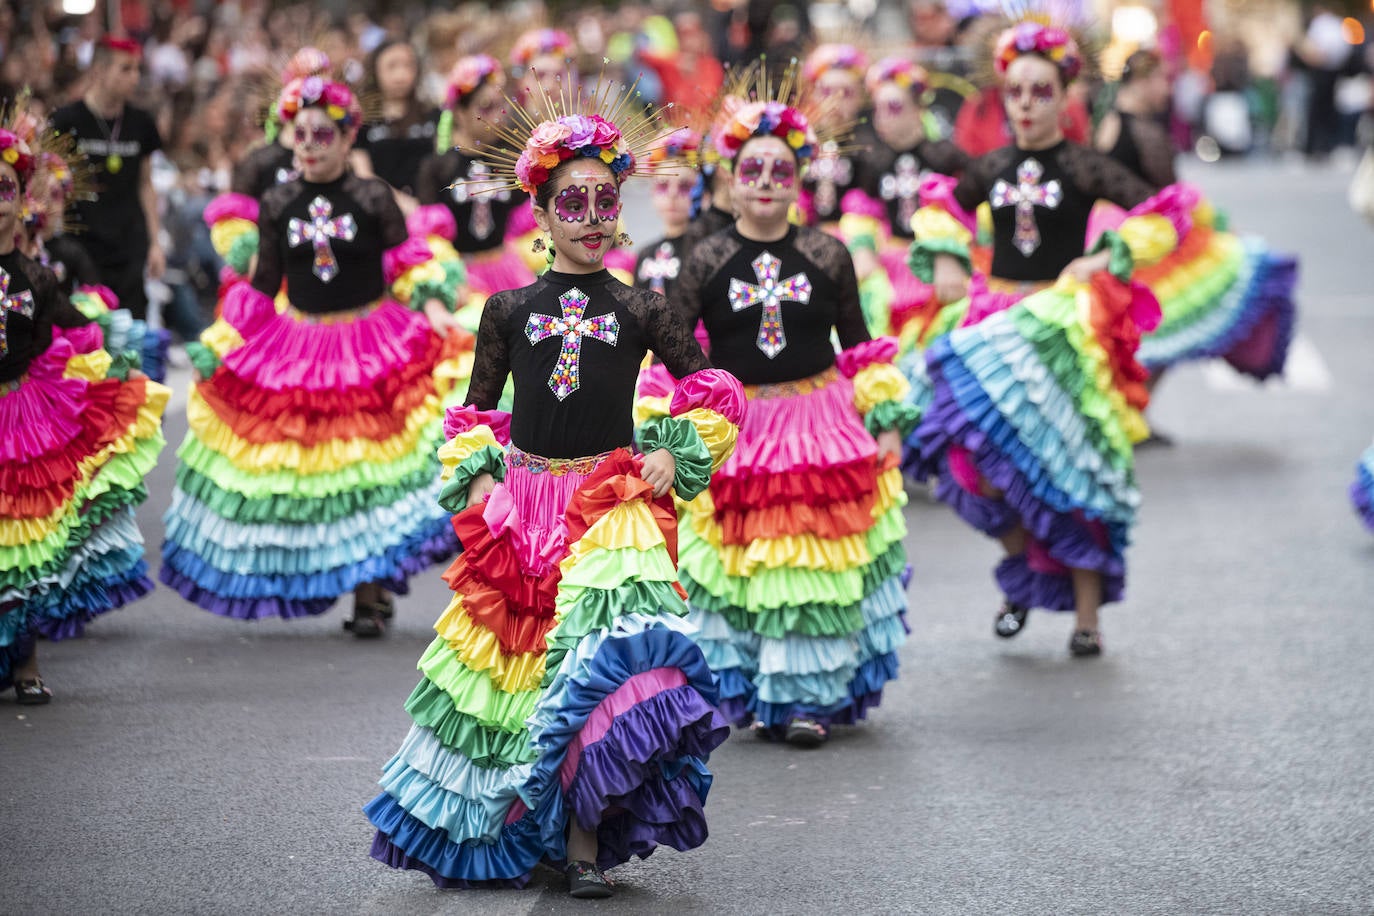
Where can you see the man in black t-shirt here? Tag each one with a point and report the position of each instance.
(119, 228)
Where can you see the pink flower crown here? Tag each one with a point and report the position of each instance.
(469, 75)
(834, 57)
(307, 61)
(683, 143)
(555, 142)
(17, 153)
(900, 71)
(740, 120)
(1050, 42)
(56, 168)
(337, 100)
(536, 42)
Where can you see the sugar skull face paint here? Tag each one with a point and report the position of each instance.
(9, 189)
(1039, 93)
(580, 215)
(574, 204)
(756, 171)
(320, 136)
(570, 206)
(607, 202)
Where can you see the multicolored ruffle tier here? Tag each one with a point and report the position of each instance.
(486, 272)
(233, 222)
(793, 560)
(309, 467)
(1032, 423)
(129, 340)
(563, 682)
(1362, 490)
(897, 302)
(79, 443)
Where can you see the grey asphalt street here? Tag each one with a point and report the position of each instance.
(1219, 758)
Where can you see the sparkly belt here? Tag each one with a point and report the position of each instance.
(792, 389)
(538, 464)
(331, 317)
(1017, 287)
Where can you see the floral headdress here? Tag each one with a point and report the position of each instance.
(754, 107)
(15, 151)
(575, 127)
(538, 42)
(900, 71)
(337, 100)
(470, 74)
(834, 57)
(682, 145)
(307, 61)
(1051, 42)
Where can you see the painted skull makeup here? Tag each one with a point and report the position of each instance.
(1041, 93)
(571, 204)
(319, 136)
(574, 205)
(9, 189)
(780, 172)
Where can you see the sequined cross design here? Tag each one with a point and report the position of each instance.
(661, 266)
(571, 327)
(830, 172)
(479, 190)
(771, 294)
(285, 175)
(319, 231)
(19, 302)
(903, 184)
(1027, 194)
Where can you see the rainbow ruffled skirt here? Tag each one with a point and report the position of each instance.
(71, 472)
(1362, 490)
(793, 560)
(309, 467)
(562, 683)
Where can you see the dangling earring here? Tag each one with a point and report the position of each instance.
(624, 241)
(538, 245)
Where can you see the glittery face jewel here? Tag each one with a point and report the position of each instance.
(1027, 194)
(1039, 93)
(21, 303)
(479, 191)
(903, 184)
(771, 295)
(571, 204)
(318, 231)
(607, 202)
(321, 135)
(662, 266)
(9, 189)
(570, 328)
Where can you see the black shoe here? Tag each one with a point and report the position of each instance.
(806, 733)
(32, 692)
(587, 882)
(1011, 620)
(367, 622)
(1085, 643)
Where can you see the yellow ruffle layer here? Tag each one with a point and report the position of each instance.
(876, 383)
(1150, 237)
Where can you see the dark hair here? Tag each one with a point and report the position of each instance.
(1140, 65)
(544, 193)
(376, 56)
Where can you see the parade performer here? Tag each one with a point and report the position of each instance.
(309, 471)
(905, 149)
(793, 560)
(392, 145)
(459, 198)
(83, 432)
(233, 215)
(836, 74)
(1132, 132)
(565, 713)
(675, 166)
(543, 65)
(1036, 407)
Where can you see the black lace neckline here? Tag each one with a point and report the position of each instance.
(595, 278)
(787, 239)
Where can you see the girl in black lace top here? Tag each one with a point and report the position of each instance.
(460, 199)
(309, 470)
(82, 430)
(1133, 133)
(567, 578)
(770, 583)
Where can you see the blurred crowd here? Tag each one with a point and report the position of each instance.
(209, 69)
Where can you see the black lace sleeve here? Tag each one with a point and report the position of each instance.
(432, 178)
(1100, 176)
(267, 276)
(245, 178)
(702, 263)
(943, 157)
(491, 361)
(976, 182)
(669, 336)
(1156, 151)
(375, 196)
(831, 256)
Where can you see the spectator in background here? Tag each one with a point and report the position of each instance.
(392, 147)
(1325, 53)
(119, 228)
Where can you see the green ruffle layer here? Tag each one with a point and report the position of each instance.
(898, 415)
(489, 459)
(921, 257)
(491, 748)
(689, 451)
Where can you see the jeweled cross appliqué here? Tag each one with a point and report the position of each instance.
(479, 190)
(660, 267)
(771, 294)
(19, 302)
(319, 230)
(830, 172)
(1027, 194)
(571, 327)
(903, 184)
